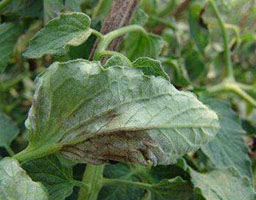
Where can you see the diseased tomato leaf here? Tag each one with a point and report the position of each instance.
(117, 113)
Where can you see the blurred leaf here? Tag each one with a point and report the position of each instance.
(142, 45)
(8, 130)
(228, 149)
(69, 29)
(16, 184)
(120, 191)
(9, 34)
(140, 17)
(52, 9)
(53, 175)
(73, 5)
(198, 29)
(194, 65)
(178, 72)
(225, 184)
(25, 8)
(150, 67)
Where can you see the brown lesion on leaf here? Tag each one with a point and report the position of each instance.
(133, 147)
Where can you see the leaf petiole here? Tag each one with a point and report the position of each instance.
(107, 181)
(228, 62)
(108, 38)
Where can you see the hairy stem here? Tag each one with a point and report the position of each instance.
(120, 14)
(107, 39)
(228, 63)
(92, 177)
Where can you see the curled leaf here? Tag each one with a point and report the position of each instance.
(118, 113)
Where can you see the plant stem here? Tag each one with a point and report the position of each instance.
(107, 39)
(31, 153)
(9, 150)
(234, 87)
(97, 33)
(92, 177)
(107, 181)
(228, 63)
(4, 3)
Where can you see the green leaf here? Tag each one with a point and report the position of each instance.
(116, 60)
(175, 188)
(150, 66)
(225, 184)
(9, 34)
(142, 45)
(16, 184)
(52, 9)
(179, 76)
(73, 5)
(228, 149)
(69, 29)
(120, 191)
(140, 17)
(25, 8)
(8, 130)
(130, 116)
(194, 65)
(198, 30)
(53, 175)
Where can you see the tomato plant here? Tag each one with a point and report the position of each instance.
(111, 99)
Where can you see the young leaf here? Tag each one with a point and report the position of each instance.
(9, 34)
(223, 184)
(8, 130)
(150, 66)
(53, 175)
(228, 149)
(16, 184)
(115, 60)
(121, 191)
(69, 29)
(117, 113)
(140, 45)
(52, 9)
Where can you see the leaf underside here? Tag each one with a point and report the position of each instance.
(116, 114)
